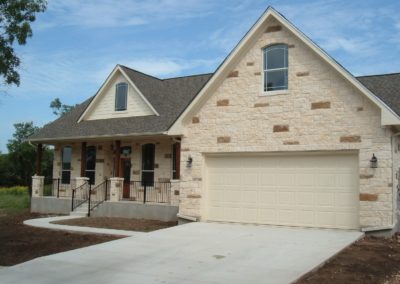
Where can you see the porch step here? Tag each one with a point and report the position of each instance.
(82, 210)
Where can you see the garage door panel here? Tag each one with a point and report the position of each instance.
(299, 190)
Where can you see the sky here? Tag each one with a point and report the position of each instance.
(77, 43)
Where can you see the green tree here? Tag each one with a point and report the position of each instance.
(16, 17)
(59, 108)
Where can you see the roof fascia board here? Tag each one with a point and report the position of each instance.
(388, 116)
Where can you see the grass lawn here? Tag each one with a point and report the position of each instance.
(14, 200)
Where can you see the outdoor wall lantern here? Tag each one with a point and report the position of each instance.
(189, 162)
(374, 161)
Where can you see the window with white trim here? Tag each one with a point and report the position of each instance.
(275, 67)
(121, 96)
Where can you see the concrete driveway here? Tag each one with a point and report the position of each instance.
(192, 253)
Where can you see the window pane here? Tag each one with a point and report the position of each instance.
(121, 94)
(276, 80)
(65, 177)
(91, 175)
(276, 57)
(91, 158)
(66, 158)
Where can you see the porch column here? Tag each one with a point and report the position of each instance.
(39, 153)
(117, 158)
(83, 159)
(116, 184)
(37, 186)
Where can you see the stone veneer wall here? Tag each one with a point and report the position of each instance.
(321, 111)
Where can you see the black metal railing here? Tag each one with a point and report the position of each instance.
(157, 192)
(54, 187)
(80, 195)
(98, 195)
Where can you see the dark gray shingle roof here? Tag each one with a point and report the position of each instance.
(169, 97)
(386, 87)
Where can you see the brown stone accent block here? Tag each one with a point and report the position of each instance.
(167, 156)
(350, 139)
(176, 192)
(291, 46)
(281, 128)
(291, 142)
(302, 74)
(224, 139)
(221, 103)
(250, 64)
(195, 119)
(261, 104)
(99, 160)
(368, 197)
(257, 73)
(360, 109)
(156, 166)
(197, 179)
(272, 29)
(193, 195)
(136, 172)
(366, 176)
(320, 105)
(233, 74)
(185, 150)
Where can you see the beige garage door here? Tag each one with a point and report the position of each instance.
(302, 190)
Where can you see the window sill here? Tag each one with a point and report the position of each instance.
(120, 112)
(274, 93)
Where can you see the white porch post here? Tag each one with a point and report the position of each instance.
(115, 188)
(175, 190)
(37, 186)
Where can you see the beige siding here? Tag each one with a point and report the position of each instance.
(320, 112)
(104, 107)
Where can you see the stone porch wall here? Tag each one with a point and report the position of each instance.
(320, 112)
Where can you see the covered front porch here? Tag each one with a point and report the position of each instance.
(130, 171)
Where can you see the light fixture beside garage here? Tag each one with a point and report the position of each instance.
(189, 162)
(374, 161)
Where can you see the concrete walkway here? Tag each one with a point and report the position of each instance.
(46, 223)
(191, 253)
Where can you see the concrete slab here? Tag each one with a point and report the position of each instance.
(46, 223)
(191, 253)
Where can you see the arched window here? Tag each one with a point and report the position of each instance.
(121, 96)
(276, 68)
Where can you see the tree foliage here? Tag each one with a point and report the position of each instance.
(16, 17)
(18, 166)
(59, 108)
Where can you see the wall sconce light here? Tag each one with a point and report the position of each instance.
(374, 161)
(189, 162)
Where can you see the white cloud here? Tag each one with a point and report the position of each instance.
(110, 13)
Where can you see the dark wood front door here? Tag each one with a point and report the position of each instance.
(126, 174)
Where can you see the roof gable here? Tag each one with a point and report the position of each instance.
(388, 116)
(102, 105)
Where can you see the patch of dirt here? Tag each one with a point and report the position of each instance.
(20, 243)
(130, 224)
(370, 260)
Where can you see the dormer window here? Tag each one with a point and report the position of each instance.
(276, 68)
(121, 96)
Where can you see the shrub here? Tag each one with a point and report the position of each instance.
(15, 190)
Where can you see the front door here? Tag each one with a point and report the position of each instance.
(148, 155)
(126, 174)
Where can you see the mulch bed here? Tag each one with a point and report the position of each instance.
(140, 225)
(20, 243)
(370, 260)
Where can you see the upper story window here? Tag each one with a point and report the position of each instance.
(121, 96)
(276, 68)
